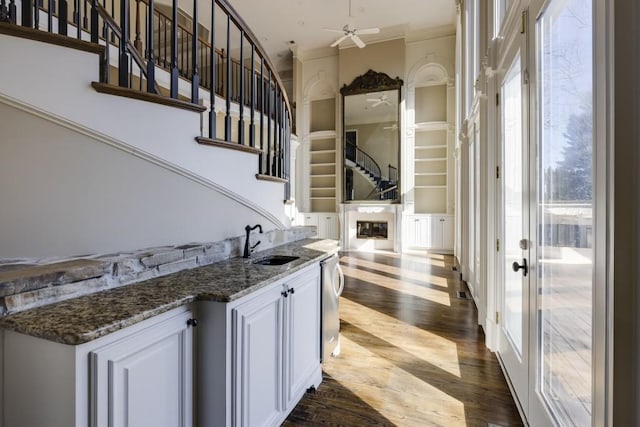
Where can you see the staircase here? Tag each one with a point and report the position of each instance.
(164, 137)
(384, 188)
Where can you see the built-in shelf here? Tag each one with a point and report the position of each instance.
(322, 134)
(432, 131)
(432, 159)
(322, 151)
(322, 198)
(429, 147)
(322, 164)
(427, 126)
(327, 175)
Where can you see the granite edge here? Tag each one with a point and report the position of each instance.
(82, 338)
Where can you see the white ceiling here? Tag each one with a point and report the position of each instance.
(277, 23)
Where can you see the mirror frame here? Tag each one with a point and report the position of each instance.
(371, 81)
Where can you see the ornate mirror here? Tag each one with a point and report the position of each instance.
(371, 135)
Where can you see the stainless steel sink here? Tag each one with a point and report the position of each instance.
(276, 260)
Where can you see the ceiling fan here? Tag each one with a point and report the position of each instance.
(379, 101)
(348, 31)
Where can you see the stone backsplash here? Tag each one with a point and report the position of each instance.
(29, 283)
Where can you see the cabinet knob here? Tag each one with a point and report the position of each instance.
(192, 322)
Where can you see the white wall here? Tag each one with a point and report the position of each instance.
(64, 193)
(163, 133)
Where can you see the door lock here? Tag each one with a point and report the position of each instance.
(523, 266)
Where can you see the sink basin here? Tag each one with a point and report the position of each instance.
(276, 260)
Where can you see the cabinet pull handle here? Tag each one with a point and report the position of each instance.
(192, 322)
(284, 294)
(292, 291)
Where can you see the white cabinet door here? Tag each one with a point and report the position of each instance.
(417, 231)
(144, 379)
(311, 219)
(302, 329)
(441, 232)
(435, 232)
(328, 226)
(447, 232)
(422, 232)
(258, 351)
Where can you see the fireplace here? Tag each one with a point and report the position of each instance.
(370, 226)
(372, 229)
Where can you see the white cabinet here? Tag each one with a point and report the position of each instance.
(258, 352)
(277, 350)
(272, 355)
(144, 379)
(433, 232)
(137, 376)
(441, 232)
(328, 226)
(302, 329)
(326, 223)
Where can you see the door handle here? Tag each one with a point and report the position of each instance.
(523, 266)
(341, 279)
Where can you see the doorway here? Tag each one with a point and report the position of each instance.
(545, 338)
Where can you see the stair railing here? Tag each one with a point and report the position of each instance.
(370, 166)
(393, 173)
(190, 58)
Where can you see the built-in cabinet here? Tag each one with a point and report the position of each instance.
(322, 152)
(433, 232)
(430, 170)
(141, 375)
(431, 149)
(145, 378)
(326, 223)
(273, 353)
(322, 155)
(277, 350)
(256, 357)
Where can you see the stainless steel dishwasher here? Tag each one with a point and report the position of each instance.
(332, 286)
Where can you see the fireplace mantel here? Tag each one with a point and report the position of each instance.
(351, 213)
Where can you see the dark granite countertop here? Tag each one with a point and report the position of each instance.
(89, 317)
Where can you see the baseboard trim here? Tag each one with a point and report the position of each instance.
(123, 146)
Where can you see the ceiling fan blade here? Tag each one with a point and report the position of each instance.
(357, 41)
(337, 42)
(378, 102)
(333, 30)
(367, 31)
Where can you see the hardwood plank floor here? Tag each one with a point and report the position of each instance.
(412, 353)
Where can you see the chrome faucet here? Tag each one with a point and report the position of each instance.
(247, 249)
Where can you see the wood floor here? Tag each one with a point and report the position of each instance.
(412, 353)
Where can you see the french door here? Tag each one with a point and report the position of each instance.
(514, 327)
(545, 338)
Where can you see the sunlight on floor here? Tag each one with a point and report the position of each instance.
(423, 276)
(418, 342)
(402, 390)
(420, 291)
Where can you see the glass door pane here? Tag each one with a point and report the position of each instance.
(565, 210)
(513, 204)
